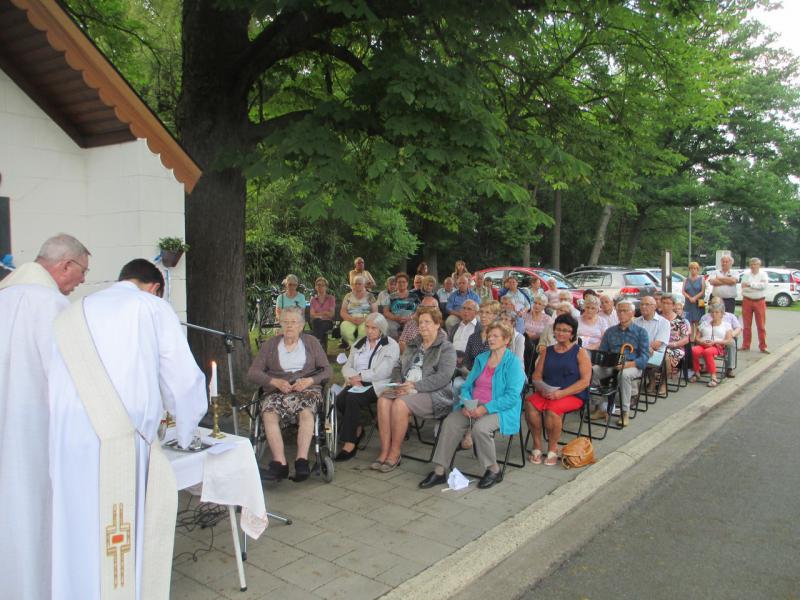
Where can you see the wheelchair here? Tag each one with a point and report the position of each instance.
(324, 436)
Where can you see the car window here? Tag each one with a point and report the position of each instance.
(562, 282)
(640, 279)
(523, 279)
(496, 277)
(593, 279)
(777, 277)
(677, 278)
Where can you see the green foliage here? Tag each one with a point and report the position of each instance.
(174, 244)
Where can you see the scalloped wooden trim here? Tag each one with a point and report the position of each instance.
(79, 52)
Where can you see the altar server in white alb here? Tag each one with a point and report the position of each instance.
(30, 299)
(120, 360)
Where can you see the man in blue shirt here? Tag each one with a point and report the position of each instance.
(456, 301)
(637, 352)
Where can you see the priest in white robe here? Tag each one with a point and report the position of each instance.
(144, 351)
(30, 299)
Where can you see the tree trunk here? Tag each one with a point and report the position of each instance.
(636, 235)
(600, 235)
(430, 256)
(212, 117)
(526, 254)
(556, 248)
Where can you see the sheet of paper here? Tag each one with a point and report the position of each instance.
(541, 386)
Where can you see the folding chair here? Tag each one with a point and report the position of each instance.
(608, 390)
(683, 376)
(417, 426)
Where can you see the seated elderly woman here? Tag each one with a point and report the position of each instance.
(678, 331)
(323, 307)
(590, 326)
(490, 400)
(290, 296)
(290, 368)
(548, 337)
(421, 386)
(517, 341)
(566, 369)
(507, 306)
(366, 372)
(356, 305)
(566, 296)
(536, 322)
(710, 341)
(552, 294)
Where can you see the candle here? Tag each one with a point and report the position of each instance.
(212, 386)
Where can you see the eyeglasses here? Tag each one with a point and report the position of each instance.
(84, 270)
(563, 330)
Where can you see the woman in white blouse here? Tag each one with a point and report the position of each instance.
(590, 326)
(367, 371)
(711, 340)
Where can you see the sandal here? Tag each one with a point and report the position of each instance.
(551, 460)
(535, 457)
(713, 383)
(693, 379)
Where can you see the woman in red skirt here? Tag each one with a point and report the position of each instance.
(562, 377)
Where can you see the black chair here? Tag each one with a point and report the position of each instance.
(417, 426)
(682, 369)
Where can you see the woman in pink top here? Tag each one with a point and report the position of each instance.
(323, 307)
(537, 321)
(590, 326)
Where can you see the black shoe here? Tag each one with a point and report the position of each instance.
(301, 470)
(489, 479)
(346, 454)
(275, 472)
(432, 479)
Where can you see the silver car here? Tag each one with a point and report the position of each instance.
(630, 284)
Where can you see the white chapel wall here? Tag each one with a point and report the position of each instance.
(118, 200)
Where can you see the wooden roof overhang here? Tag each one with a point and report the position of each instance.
(59, 68)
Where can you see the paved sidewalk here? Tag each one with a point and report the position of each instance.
(366, 533)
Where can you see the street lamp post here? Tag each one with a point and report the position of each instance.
(691, 208)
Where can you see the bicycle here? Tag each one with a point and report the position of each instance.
(261, 315)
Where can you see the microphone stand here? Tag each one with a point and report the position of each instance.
(229, 339)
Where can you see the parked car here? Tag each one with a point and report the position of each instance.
(619, 283)
(497, 275)
(782, 289)
(677, 279)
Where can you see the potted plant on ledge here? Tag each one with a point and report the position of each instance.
(172, 248)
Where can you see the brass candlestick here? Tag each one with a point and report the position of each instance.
(169, 420)
(216, 433)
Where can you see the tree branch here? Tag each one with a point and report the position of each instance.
(258, 131)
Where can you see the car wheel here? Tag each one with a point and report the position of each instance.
(782, 300)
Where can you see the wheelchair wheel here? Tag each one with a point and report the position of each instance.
(326, 468)
(331, 422)
(256, 434)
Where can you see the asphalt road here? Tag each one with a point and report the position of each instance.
(723, 523)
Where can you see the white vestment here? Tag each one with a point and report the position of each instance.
(27, 311)
(143, 348)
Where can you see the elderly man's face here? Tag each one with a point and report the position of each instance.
(468, 312)
(727, 261)
(648, 307)
(463, 284)
(430, 302)
(606, 304)
(71, 272)
(625, 313)
(418, 282)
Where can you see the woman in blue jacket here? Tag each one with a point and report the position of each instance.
(491, 399)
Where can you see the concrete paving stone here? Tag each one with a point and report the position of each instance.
(186, 588)
(270, 554)
(488, 517)
(290, 592)
(328, 545)
(438, 506)
(184, 546)
(358, 503)
(407, 479)
(369, 561)
(326, 492)
(309, 510)
(394, 516)
(309, 573)
(259, 584)
(446, 531)
(405, 496)
(208, 567)
(346, 523)
(416, 467)
(292, 534)
(368, 485)
(416, 547)
(352, 586)
(401, 572)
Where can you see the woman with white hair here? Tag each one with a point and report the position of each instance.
(367, 371)
(356, 305)
(678, 331)
(290, 296)
(590, 326)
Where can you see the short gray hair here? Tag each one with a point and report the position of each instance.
(360, 278)
(591, 300)
(627, 302)
(754, 259)
(567, 306)
(290, 279)
(294, 310)
(61, 247)
(379, 321)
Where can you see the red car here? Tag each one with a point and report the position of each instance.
(524, 275)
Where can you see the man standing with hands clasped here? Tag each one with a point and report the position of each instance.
(30, 299)
(724, 283)
(754, 286)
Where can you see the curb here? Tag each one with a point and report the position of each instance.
(455, 572)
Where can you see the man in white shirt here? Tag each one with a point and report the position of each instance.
(607, 310)
(656, 326)
(754, 286)
(30, 299)
(466, 327)
(144, 352)
(724, 283)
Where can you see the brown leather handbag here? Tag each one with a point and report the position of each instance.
(577, 453)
